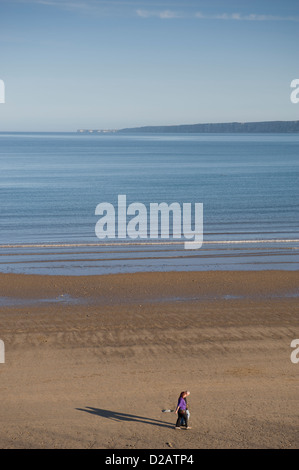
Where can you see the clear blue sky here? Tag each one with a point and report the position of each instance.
(71, 64)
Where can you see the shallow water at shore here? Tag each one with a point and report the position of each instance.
(120, 258)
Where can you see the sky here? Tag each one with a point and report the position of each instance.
(112, 64)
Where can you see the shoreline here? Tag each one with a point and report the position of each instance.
(104, 259)
(98, 374)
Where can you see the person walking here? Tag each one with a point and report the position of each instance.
(181, 411)
(187, 408)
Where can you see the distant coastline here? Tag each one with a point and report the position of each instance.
(229, 127)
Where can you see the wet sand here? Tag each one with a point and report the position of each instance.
(91, 362)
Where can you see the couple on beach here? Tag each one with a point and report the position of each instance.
(182, 411)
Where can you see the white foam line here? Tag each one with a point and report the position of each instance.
(78, 245)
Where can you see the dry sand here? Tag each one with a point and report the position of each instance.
(91, 361)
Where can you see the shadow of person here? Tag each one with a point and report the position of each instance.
(118, 416)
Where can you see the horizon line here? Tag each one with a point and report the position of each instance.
(149, 125)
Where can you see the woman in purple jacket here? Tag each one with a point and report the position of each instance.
(181, 411)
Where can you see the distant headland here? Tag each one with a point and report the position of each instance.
(226, 127)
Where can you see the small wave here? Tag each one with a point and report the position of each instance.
(142, 243)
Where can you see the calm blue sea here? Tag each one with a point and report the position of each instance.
(50, 185)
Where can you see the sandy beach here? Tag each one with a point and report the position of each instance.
(91, 362)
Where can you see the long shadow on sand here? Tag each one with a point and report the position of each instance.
(117, 416)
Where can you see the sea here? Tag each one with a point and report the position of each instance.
(52, 183)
